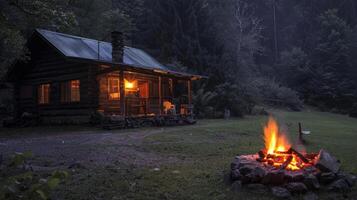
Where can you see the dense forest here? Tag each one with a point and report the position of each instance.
(273, 52)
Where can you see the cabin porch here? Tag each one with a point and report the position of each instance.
(132, 94)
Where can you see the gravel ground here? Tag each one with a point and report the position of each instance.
(89, 148)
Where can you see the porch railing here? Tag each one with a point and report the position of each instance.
(148, 106)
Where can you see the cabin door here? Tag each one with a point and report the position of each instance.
(144, 95)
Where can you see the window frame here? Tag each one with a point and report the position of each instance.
(66, 92)
(39, 100)
(110, 79)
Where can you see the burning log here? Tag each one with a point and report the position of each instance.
(284, 152)
(261, 156)
(298, 154)
(286, 163)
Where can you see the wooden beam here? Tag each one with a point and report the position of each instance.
(189, 89)
(170, 74)
(122, 92)
(171, 87)
(160, 96)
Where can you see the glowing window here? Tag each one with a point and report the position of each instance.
(70, 91)
(113, 88)
(43, 94)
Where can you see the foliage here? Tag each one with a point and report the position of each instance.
(20, 182)
(331, 83)
(269, 92)
(233, 97)
(294, 68)
(203, 103)
(308, 46)
(12, 47)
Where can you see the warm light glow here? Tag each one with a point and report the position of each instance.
(129, 85)
(277, 147)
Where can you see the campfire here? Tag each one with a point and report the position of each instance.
(279, 152)
(288, 169)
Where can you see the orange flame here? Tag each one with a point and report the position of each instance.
(277, 145)
(279, 152)
(274, 141)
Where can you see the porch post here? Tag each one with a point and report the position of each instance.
(160, 96)
(171, 87)
(122, 92)
(189, 89)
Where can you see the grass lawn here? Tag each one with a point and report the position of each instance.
(205, 151)
(202, 154)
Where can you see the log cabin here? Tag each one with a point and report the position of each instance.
(69, 78)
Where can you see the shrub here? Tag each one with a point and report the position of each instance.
(269, 92)
(20, 182)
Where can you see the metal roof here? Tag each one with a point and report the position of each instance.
(85, 48)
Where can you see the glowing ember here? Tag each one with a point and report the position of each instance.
(278, 150)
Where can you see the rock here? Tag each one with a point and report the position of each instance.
(326, 162)
(246, 179)
(311, 182)
(247, 169)
(248, 160)
(339, 186)
(281, 192)
(274, 177)
(310, 196)
(236, 163)
(311, 170)
(294, 176)
(296, 187)
(349, 178)
(326, 178)
(257, 188)
(236, 186)
(257, 174)
(235, 175)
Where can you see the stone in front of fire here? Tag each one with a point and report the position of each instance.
(349, 178)
(276, 177)
(243, 160)
(311, 182)
(326, 178)
(281, 193)
(296, 187)
(311, 170)
(257, 174)
(235, 164)
(235, 175)
(246, 169)
(254, 176)
(294, 176)
(339, 186)
(326, 162)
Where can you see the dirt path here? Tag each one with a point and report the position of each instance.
(90, 148)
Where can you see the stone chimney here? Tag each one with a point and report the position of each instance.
(117, 47)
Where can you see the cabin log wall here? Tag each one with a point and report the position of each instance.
(49, 66)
